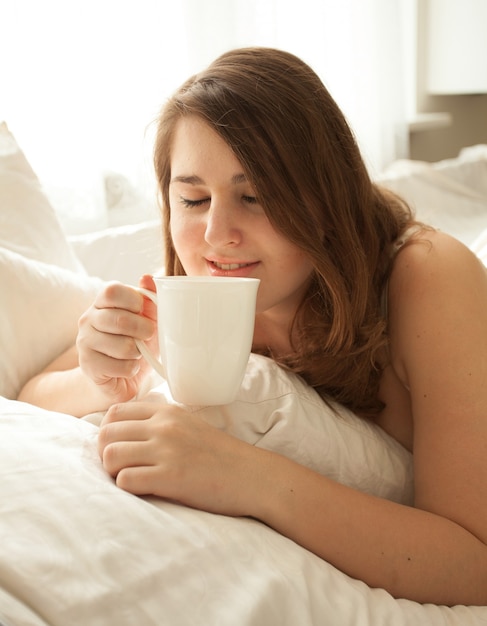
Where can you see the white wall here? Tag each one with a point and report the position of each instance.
(468, 112)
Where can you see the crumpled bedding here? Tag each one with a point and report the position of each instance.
(78, 550)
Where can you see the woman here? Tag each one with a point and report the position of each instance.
(260, 176)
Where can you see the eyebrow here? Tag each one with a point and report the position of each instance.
(196, 180)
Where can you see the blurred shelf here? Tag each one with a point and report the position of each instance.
(429, 121)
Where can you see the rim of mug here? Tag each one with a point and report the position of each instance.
(205, 279)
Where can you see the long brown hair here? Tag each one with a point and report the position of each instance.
(301, 157)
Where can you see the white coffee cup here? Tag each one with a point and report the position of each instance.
(206, 327)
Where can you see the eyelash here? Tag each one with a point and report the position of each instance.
(250, 199)
(190, 204)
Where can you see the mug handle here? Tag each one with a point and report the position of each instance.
(141, 345)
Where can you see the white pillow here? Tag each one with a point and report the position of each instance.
(122, 253)
(28, 223)
(450, 195)
(469, 168)
(39, 312)
(128, 203)
(276, 410)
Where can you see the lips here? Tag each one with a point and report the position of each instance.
(230, 266)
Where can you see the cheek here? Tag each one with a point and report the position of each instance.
(296, 270)
(293, 262)
(185, 236)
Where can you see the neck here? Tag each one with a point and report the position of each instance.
(271, 334)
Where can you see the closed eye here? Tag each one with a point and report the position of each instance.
(250, 199)
(193, 203)
(196, 203)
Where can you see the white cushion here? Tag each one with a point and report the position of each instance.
(122, 253)
(28, 223)
(276, 410)
(40, 307)
(450, 195)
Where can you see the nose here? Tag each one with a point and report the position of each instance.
(223, 225)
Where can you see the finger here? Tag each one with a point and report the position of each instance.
(140, 480)
(91, 341)
(111, 333)
(116, 432)
(149, 308)
(147, 282)
(102, 369)
(119, 322)
(119, 296)
(123, 454)
(128, 411)
(112, 357)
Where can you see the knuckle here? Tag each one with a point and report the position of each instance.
(125, 353)
(123, 479)
(112, 291)
(109, 458)
(104, 436)
(112, 415)
(123, 296)
(102, 440)
(83, 319)
(121, 322)
(170, 426)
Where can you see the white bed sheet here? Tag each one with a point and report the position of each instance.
(77, 550)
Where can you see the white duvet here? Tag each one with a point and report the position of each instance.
(78, 551)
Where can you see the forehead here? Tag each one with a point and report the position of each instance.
(196, 144)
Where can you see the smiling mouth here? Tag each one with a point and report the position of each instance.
(230, 266)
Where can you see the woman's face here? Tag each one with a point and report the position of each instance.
(219, 228)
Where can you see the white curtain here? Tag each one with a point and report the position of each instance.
(81, 80)
(358, 48)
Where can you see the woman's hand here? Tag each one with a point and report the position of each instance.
(108, 355)
(166, 451)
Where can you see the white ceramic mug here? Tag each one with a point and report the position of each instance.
(206, 327)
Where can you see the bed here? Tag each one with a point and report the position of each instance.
(75, 549)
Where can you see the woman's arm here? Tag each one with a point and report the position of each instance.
(105, 366)
(63, 387)
(435, 552)
(411, 553)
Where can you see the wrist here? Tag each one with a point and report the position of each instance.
(269, 493)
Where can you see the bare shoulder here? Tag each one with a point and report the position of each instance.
(437, 297)
(437, 287)
(438, 330)
(435, 275)
(432, 254)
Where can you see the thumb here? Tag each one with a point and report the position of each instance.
(147, 282)
(149, 308)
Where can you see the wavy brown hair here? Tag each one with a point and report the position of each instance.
(298, 152)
